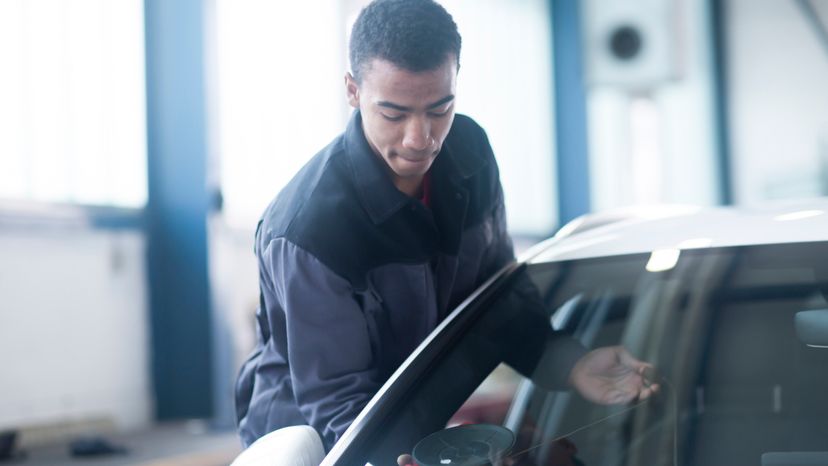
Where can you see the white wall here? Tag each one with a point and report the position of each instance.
(234, 284)
(778, 102)
(73, 327)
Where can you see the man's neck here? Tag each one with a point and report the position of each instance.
(411, 186)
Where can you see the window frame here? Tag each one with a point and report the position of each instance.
(41, 215)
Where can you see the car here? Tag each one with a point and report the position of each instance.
(729, 305)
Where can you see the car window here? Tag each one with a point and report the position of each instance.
(491, 400)
(737, 383)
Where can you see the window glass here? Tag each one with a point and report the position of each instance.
(737, 379)
(73, 112)
(490, 402)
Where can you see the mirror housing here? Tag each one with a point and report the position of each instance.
(289, 446)
(812, 327)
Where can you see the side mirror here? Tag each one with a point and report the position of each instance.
(289, 446)
(812, 327)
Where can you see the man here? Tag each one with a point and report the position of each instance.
(379, 236)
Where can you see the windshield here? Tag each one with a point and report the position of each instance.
(739, 385)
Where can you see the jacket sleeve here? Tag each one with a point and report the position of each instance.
(533, 349)
(332, 367)
(520, 328)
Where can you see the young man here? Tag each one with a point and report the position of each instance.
(379, 236)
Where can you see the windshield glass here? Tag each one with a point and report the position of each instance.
(739, 384)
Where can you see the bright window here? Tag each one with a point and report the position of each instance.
(280, 69)
(72, 118)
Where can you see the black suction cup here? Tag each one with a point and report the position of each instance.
(469, 445)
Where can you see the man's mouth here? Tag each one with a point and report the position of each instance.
(416, 158)
(413, 159)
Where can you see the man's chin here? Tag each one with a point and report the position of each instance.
(409, 175)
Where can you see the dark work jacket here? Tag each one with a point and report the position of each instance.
(354, 274)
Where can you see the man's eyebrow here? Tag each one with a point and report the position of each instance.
(442, 101)
(402, 108)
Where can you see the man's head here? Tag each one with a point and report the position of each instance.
(404, 61)
(415, 35)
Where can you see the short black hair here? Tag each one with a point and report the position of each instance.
(416, 35)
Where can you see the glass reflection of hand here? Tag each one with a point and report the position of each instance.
(611, 375)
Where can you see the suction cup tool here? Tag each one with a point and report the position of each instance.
(469, 445)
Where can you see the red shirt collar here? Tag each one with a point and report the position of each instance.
(426, 197)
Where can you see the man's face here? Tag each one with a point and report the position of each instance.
(406, 115)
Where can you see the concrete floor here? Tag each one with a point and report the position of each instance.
(163, 445)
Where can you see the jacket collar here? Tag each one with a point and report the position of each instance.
(377, 192)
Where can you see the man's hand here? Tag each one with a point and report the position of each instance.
(611, 375)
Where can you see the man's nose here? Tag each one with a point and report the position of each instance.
(417, 135)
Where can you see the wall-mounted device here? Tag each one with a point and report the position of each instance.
(631, 43)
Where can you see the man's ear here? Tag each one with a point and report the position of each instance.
(352, 90)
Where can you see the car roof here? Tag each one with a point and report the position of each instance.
(679, 227)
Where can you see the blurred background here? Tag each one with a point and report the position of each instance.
(141, 140)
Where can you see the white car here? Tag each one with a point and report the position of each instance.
(729, 305)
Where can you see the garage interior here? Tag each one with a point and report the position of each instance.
(142, 139)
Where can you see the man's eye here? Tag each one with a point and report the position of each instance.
(439, 114)
(392, 118)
